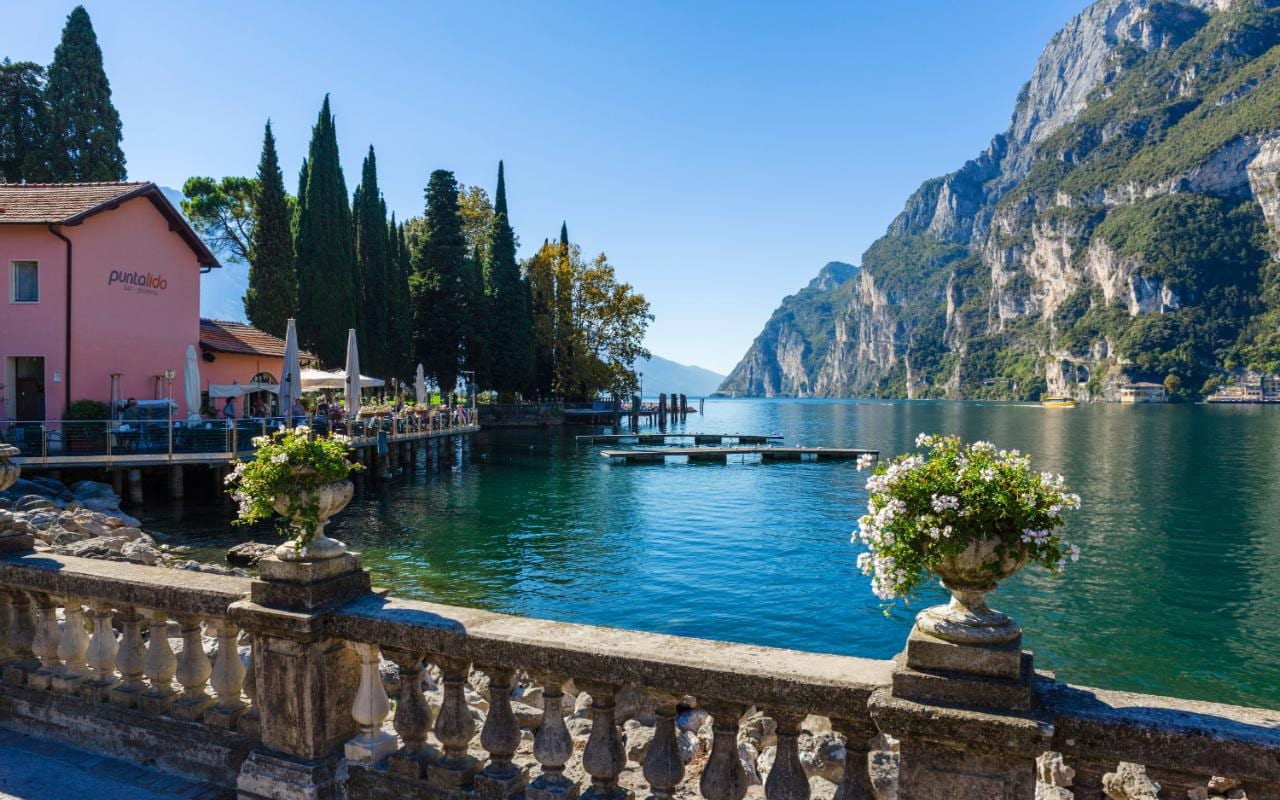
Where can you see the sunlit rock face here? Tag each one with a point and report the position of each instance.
(1139, 177)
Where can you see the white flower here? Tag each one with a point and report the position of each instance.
(1075, 552)
(943, 502)
(1035, 537)
(864, 563)
(259, 441)
(340, 437)
(987, 474)
(301, 429)
(279, 458)
(865, 461)
(925, 440)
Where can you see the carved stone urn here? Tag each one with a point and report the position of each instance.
(330, 498)
(8, 470)
(969, 576)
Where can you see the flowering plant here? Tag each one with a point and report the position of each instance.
(288, 467)
(926, 507)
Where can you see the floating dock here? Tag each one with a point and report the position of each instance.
(725, 453)
(666, 438)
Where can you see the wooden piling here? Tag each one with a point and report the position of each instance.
(662, 410)
(635, 412)
(176, 487)
(135, 486)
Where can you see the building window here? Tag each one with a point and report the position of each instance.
(24, 282)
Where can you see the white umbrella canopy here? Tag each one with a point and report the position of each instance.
(420, 385)
(291, 378)
(352, 384)
(316, 379)
(191, 383)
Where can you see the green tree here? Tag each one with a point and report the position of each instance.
(222, 213)
(373, 267)
(440, 283)
(477, 218)
(479, 345)
(540, 278)
(400, 315)
(272, 296)
(84, 127)
(23, 119)
(507, 293)
(323, 242)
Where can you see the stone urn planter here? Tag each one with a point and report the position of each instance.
(8, 470)
(969, 576)
(314, 545)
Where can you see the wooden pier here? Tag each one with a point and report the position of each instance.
(725, 453)
(666, 438)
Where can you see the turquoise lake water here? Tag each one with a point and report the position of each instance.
(1177, 592)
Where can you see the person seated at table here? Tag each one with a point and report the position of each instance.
(229, 409)
(131, 413)
(298, 412)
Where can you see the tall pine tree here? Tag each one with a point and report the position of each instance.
(441, 284)
(373, 268)
(272, 296)
(478, 347)
(23, 119)
(84, 129)
(510, 323)
(325, 250)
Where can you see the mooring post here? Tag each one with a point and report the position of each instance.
(635, 412)
(175, 482)
(662, 410)
(135, 486)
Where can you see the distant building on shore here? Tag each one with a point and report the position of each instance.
(1255, 388)
(1143, 392)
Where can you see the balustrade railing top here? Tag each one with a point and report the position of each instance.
(133, 652)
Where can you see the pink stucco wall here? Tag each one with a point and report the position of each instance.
(237, 367)
(116, 327)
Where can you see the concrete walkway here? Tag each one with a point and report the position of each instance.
(34, 769)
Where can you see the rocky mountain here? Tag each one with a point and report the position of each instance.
(1123, 227)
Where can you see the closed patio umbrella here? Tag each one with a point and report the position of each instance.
(420, 386)
(191, 383)
(291, 377)
(352, 384)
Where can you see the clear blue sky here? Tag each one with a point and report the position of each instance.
(719, 152)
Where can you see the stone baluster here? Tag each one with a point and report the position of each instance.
(787, 780)
(855, 781)
(101, 655)
(723, 778)
(370, 708)
(227, 677)
(552, 745)
(454, 728)
(193, 672)
(501, 778)
(6, 619)
(604, 756)
(250, 722)
(160, 665)
(44, 643)
(22, 631)
(130, 659)
(413, 716)
(663, 766)
(72, 646)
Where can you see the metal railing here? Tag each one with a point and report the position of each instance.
(157, 441)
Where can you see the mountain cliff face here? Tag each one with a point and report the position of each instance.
(1123, 227)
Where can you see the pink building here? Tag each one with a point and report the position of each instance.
(234, 352)
(102, 279)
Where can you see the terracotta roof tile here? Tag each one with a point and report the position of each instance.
(71, 203)
(57, 202)
(222, 336)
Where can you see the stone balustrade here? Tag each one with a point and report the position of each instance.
(350, 693)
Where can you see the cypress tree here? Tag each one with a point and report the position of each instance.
(441, 283)
(272, 296)
(401, 324)
(564, 235)
(325, 251)
(510, 321)
(479, 350)
(372, 267)
(84, 127)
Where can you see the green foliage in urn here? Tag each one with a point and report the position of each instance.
(924, 508)
(287, 470)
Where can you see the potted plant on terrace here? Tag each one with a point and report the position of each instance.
(303, 479)
(970, 514)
